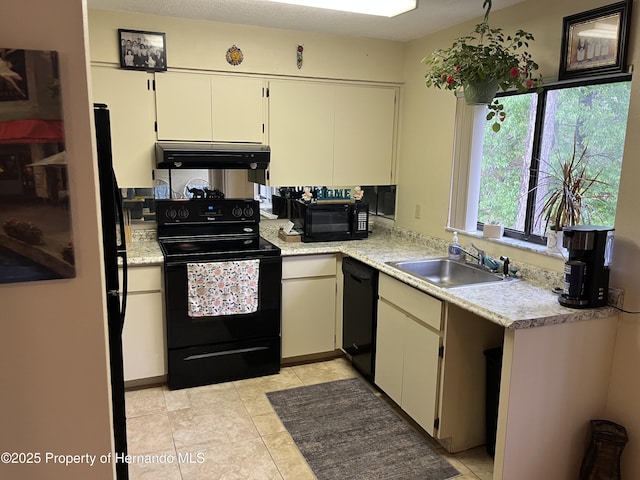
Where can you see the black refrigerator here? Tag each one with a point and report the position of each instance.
(114, 246)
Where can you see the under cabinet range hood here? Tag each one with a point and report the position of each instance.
(179, 155)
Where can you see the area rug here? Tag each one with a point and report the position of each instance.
(345, 431)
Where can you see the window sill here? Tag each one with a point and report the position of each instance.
(510, 242)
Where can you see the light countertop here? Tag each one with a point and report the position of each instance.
(516, 304)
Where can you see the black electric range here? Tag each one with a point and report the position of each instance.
(218, 235)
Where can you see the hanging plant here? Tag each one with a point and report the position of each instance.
(483, 62)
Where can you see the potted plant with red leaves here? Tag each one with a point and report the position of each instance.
(481, 63)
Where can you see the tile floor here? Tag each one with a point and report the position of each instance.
(229, 431)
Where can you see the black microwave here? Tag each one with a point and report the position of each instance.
(326, 222)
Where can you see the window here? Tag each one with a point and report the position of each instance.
(518, 163)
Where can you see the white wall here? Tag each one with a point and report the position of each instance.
(199, 44)
(424, 177)
(54, 385)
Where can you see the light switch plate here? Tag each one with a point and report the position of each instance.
(418, 211)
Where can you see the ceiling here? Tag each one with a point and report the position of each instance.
(430, 16)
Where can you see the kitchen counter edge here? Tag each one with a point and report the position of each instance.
(516, 304)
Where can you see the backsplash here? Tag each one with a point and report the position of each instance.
(140, 203)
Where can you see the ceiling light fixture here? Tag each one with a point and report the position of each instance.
(382, 8)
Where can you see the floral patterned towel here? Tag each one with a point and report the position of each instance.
(222, 288)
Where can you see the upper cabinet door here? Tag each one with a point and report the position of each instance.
(183, 106)
(129, 96)
(237, 109)
(202, 107)
(301, 121)
(364, 135)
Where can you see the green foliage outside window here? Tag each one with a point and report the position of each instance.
(595, 115)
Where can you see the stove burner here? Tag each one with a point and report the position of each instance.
(214, 248)
(210, 230)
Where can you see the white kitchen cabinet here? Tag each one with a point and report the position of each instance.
(308, 305)
(364, 135)
(301, 126)
(238, 109)
(183, 106)
(407, 349)
(143, 336)
(129, 96)
(390, 351)
(205, 107)
(330, 134)
(420, 372)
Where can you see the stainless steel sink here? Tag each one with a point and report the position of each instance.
(447, 273)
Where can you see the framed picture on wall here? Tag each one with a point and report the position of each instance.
(36, 235)
(595, 42)
(140, 50)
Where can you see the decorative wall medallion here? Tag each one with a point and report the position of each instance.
(299, 54)
(234, 56)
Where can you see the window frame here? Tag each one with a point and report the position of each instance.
(542, 93)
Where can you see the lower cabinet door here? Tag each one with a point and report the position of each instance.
(143, 337)
(408, 364)
(308, 316)
(389, 348)
(420, 374)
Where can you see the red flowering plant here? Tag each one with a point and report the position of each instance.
(485, 56)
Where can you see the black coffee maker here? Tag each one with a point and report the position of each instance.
(586, 272)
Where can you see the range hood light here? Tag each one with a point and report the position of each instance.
(381, 8)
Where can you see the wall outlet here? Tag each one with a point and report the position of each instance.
(418, 211)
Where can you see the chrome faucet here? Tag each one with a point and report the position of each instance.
(480, 256)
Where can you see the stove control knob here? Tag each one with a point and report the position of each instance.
(248, 212)
(183, 213)
(237, 211)
(171, 213)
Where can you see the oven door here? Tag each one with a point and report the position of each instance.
(186, 331)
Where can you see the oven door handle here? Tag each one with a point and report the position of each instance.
(226, 352)
(181, 263)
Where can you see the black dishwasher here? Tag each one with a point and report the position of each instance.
(359, 315)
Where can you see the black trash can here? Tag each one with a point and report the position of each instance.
(494, 367)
